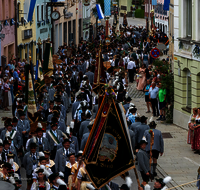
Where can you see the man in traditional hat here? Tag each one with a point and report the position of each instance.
(158, 146)
(58, 101)
(52, 91)
(90, 75)
(7, 148)
(14, 135)
(62, 156)
(133, 126)
(86, 135)
(75, 106)
(56, 119)
(143, 161)
(83, 127)
(72, 138)
(16, 127)
(54, 137)
(25, 126)
(56, 113)
(41, 142)
(49, 162)
(128, 100)
(30, 163)
(140, 129)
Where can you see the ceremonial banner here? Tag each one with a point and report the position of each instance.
(107, 11)
(108, 152)
(31, 97)
(99, 75)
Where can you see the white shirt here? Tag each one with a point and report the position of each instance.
(112, 63)
(126, 59)
(131, 65)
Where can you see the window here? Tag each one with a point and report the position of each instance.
(38, 13)
(42, 12)
(65, 32)
(188, 18)
(189, 90)
(74, 31)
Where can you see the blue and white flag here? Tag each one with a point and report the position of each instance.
(29, 6)
(99, 11)
(154, 2)
(107, 7)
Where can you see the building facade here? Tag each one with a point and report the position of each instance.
(148, 8)
(161, 17)
(68, 28)
(86, 22)
(42, 24)
(186, 59)
(171, 33)
(26, 34)
(125, 7)
(7, 15)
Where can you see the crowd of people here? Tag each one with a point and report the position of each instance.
(52, 157)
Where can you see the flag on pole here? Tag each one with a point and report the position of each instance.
(29, 6)
(107, 7)
(37, 70)
(108, 143)
(166, 5)
(154, 2)
(99, 11)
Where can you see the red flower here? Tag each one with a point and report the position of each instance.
(42, 186)
(164, 75)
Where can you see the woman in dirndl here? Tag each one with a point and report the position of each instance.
(196, 139)
(191, 126)
(40, 183)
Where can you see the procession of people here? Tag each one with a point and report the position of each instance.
(48, 142)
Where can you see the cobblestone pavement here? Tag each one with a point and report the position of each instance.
(178, 159)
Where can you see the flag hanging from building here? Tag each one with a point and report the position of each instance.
(154, 2)
(99, 11)
(107, 7)
(166, 5)
(29, 6)
(108, 152)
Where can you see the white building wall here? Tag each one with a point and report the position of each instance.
(176, 25)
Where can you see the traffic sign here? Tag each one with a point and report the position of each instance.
(155, 53)
(2, 36)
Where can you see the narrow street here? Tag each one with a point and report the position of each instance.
(178, 160)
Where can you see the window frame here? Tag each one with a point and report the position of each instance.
(38, 13)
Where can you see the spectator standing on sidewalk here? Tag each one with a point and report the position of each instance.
(147, 100)
(162, 102)
(153, 92)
